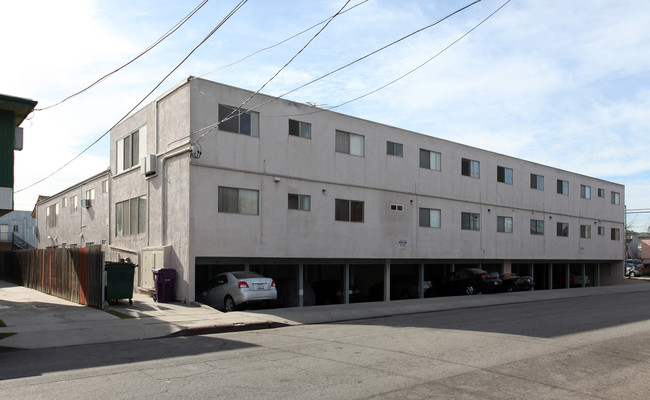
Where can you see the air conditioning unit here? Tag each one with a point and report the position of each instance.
(85, 203)
(148, 165)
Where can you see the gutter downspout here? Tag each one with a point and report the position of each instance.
(185, 148)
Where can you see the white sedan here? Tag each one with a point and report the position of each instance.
(230, 290)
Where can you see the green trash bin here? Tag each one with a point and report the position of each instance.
(119, 281)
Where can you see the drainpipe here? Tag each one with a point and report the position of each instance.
(185, 148)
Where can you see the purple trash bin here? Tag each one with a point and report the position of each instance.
(164, 283)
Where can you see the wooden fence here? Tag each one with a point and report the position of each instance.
(71, 274)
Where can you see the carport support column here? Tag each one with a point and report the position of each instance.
(301, 279)
(567, 276)
(346, 284)
(531, 268)
(421, 279)
(597, 277)
(247, 267)
(550, 276)
(387, 280)
(584, 283)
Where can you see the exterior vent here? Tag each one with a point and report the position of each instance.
(148, 165)
(85, 203)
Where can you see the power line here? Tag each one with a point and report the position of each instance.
(151, 46)
(230, 14)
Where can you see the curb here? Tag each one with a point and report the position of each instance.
(225, 328)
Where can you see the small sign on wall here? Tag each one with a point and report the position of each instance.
(402, 244)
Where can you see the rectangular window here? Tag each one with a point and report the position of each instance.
(616, 198)
(238, 201)
(299, 202)
(470, 221)
(585, 231)
(90, 194)
(562, 229)
(397, 207)
(348, 210)
(504, 224)
(131, 149)
(105, 186)
(299, 128)
(430, 159)
(394, 149)
(504, 175)
(585, 192)
(536, 227)
(601, 193)
(429, 218)
(563, 187)
(64, 202)
(616, 234)
(52, 215)
(349, 143)
(74, 204)
(239, 121)
(601, 231)
(131, 216)
(537, 182)
(470, 168)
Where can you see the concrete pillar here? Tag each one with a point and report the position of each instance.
(421, 280)
(301, 280)
(550, 276)
(387, 280)
(597, 277)
(567, 276)
(247, 267)
(584, 283)
(506, 267)
(531, 269)
(346, 284)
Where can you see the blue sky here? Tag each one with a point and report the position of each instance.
(564, 84)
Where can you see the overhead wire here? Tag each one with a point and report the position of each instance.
(145, 51)
(223, 21)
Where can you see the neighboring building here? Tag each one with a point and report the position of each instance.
(17, 231)
(13, 111)
(294, 192)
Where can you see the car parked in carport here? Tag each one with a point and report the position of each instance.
(513, 282)
(466, 281)
(230, 290)
(402, 287)
(331, 292)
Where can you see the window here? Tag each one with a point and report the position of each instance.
(430, 159)
(17, 229)
(470, 168)
(563, 187)
(349, 143)
(562, 229)
(394, 149)
(537, 182)
(397, 207)
(536, 227)
(601, 193)
(616, 234)
(616, 198)
(64, 202)
(504, 175)
(601, 231)
(105, 186)
(299, 202)
(131, 216)
(504, 224)
(585, 231)
(299, 128)
(238, 201)
(349, 210)
(585, 192)
(239, 121)
(470, 221)
(130, 149)
(52, 215)
(429, 218)
(74, 204)
(90, 194)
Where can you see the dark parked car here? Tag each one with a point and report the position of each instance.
(466, 281)
(401, 287)
(330, 292)
(513, 282)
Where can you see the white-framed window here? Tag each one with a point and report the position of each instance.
(430, 159)
(563, 187)
(601, 231)
(471, 168)
(131, 149)
(64, 202)
(504, 224)
(131, 216)
(470, 221)
(52, 215)
(238, 201)
(601, 193)
(563, 229)
(348, 210)
(585, 192)
(585, 231)
(537, 181)
(504, 175)
(616, 198)
(429, 218)
(397, 207)
(616, 234)
(105, 186)
(350, 143)
(74, 204)
(90, 194)
(536, 227)
(240, 121)
(299, 128)
(394, 149)
(299, 202)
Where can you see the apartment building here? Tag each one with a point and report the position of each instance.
(302, 194)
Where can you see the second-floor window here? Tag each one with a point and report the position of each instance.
(585, 192)
(430, 159)
(130, 149)
(470, 168)
(52, 215)
(429, 218)
(348, 210)
(504, 175)
(616, 198)
(131, 216)
(536, 227)
(299, 202)
(504, 224)
(562, 229)
(349, 143)
(239, 121)
(238, 201)
(470, 221)
(299, 128)
(537, 181)
(563, 187)
(394, 149)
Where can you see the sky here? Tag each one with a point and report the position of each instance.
(561, 83)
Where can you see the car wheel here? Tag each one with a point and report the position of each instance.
(633, 274)
(510, 288)
(228, 304)
(469, 289)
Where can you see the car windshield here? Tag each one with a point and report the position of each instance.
(246, 275)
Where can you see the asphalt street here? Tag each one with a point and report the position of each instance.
(582, 348)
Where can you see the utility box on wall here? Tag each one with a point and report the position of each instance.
(153, 258)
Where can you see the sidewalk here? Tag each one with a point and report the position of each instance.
(38, 320)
